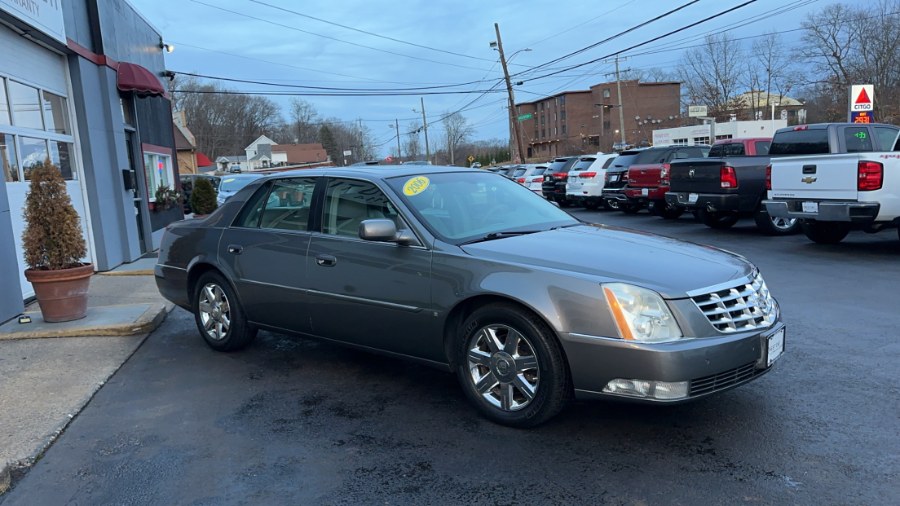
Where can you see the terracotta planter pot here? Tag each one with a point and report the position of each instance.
(62, 294)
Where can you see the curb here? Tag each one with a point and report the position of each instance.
(147, 322)
(141, 272)
(5, 478)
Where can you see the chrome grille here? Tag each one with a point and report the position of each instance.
(743, 307)
(724, 380)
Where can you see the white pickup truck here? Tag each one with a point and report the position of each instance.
(836, 177)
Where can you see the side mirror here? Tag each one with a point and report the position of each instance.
(384, 230)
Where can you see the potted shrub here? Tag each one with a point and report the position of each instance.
(54, 247)
(166, 198)
(203, 197)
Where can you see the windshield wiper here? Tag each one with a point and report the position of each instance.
(499, 235)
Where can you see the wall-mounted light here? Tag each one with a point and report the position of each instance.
(166, 47)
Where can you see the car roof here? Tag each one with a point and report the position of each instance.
(375, 171)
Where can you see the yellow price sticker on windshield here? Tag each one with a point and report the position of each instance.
(416, 186)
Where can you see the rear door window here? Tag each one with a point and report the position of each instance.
(762, 147)
(809, 141)
(857, 140)
(651, 155)
(887, 138)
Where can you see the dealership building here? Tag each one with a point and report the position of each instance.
(82, 83)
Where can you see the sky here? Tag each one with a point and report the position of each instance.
(437, 47)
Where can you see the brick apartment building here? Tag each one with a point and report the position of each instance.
(587, 121)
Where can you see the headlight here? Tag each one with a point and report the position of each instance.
(640, 314)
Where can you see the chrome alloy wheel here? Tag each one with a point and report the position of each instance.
(783, 223)
(503, 367)
(215, 311)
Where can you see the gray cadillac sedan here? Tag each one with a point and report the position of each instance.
(470, 272)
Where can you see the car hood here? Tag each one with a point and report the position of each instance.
(669, 266)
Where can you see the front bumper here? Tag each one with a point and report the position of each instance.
(849, 211)
(709, 364)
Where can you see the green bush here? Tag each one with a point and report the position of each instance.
(203, 197)
(52, 239)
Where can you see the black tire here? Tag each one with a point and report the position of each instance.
(612, 204)
(826, 232)
(629, 208)
(718, 221)
(222, 324)
(590, 205)
(668, 211)
(519, 384)
(563, 202)
(775, 226)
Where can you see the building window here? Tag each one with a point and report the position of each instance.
(158, 171)
(564, 129)
(554, 130)
(543, 133)
(562, 101)
(4, 104)
(25, 105)
(56, 114)
(40, 131)
(605, 92)
(554, 117)
(562, 115)
(8, 158)
(701, 140)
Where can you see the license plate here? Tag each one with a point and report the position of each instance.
(692, 198)
(645, 191)
(613, 179)
(774, 347)
(810, 207)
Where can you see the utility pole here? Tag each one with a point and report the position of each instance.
(512, 101)
(397, 128)
(619, 93)
(425, 125)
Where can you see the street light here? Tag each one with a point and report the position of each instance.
(396, 126)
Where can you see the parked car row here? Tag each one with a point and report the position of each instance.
(825, 180)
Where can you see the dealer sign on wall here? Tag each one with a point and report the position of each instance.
(44, 15)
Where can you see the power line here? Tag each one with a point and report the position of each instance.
(610, 38)
(677, 30)
(294, 28)
(328, 88)
(367, 32)
(335, 94)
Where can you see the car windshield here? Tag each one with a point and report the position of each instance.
(464, 206)
(233, 184)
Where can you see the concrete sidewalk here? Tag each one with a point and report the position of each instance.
(50, 371)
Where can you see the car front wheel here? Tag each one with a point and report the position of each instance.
(511, 366)
(219, 316)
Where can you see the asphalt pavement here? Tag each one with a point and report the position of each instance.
(50, 371)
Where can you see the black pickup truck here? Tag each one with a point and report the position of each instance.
(728, 184)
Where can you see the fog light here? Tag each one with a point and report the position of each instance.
(661, 390)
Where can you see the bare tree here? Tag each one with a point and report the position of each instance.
(304, 120)
(223, 123)
(457, 131)
(843, 49)
(413, 146)
(711, 74)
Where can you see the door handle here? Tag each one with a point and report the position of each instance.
(235, 249)
(809, 169)
(326, 260)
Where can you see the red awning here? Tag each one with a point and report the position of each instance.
(133, 77)
(203, 160)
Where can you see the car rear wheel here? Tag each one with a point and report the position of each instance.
(773, 225)
(511, 366)
(667, 210)
(612, 204)
(629, 208)
(219, 317)
(718, 221)
(826, 232)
